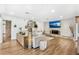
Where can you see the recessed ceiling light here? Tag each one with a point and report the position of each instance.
(52, 10)
(61, 16)
(11, 13)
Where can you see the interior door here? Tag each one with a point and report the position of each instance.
(6, 31)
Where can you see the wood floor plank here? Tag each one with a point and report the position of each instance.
(57, 46)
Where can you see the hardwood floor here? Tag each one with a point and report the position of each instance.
(57, 46)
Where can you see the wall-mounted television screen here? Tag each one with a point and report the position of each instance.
(54, 24)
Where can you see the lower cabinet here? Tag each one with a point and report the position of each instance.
(22, 40)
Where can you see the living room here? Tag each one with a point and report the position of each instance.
(33, 28)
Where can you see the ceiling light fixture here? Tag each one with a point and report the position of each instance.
(11, 13)
(61, 17)
(52, 10)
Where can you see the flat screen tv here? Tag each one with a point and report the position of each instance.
(54, 24)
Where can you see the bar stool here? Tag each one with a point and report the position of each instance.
(43, 44)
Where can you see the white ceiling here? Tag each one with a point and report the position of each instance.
(40, 10)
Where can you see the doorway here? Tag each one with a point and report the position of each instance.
(6, 30)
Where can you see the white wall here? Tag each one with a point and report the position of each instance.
(65, 24)
(40, 25)
(0, 30)
(19, 22)
(65, 29)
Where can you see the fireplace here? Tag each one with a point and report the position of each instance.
(55, 32)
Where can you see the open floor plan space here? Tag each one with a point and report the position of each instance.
(39, 29)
